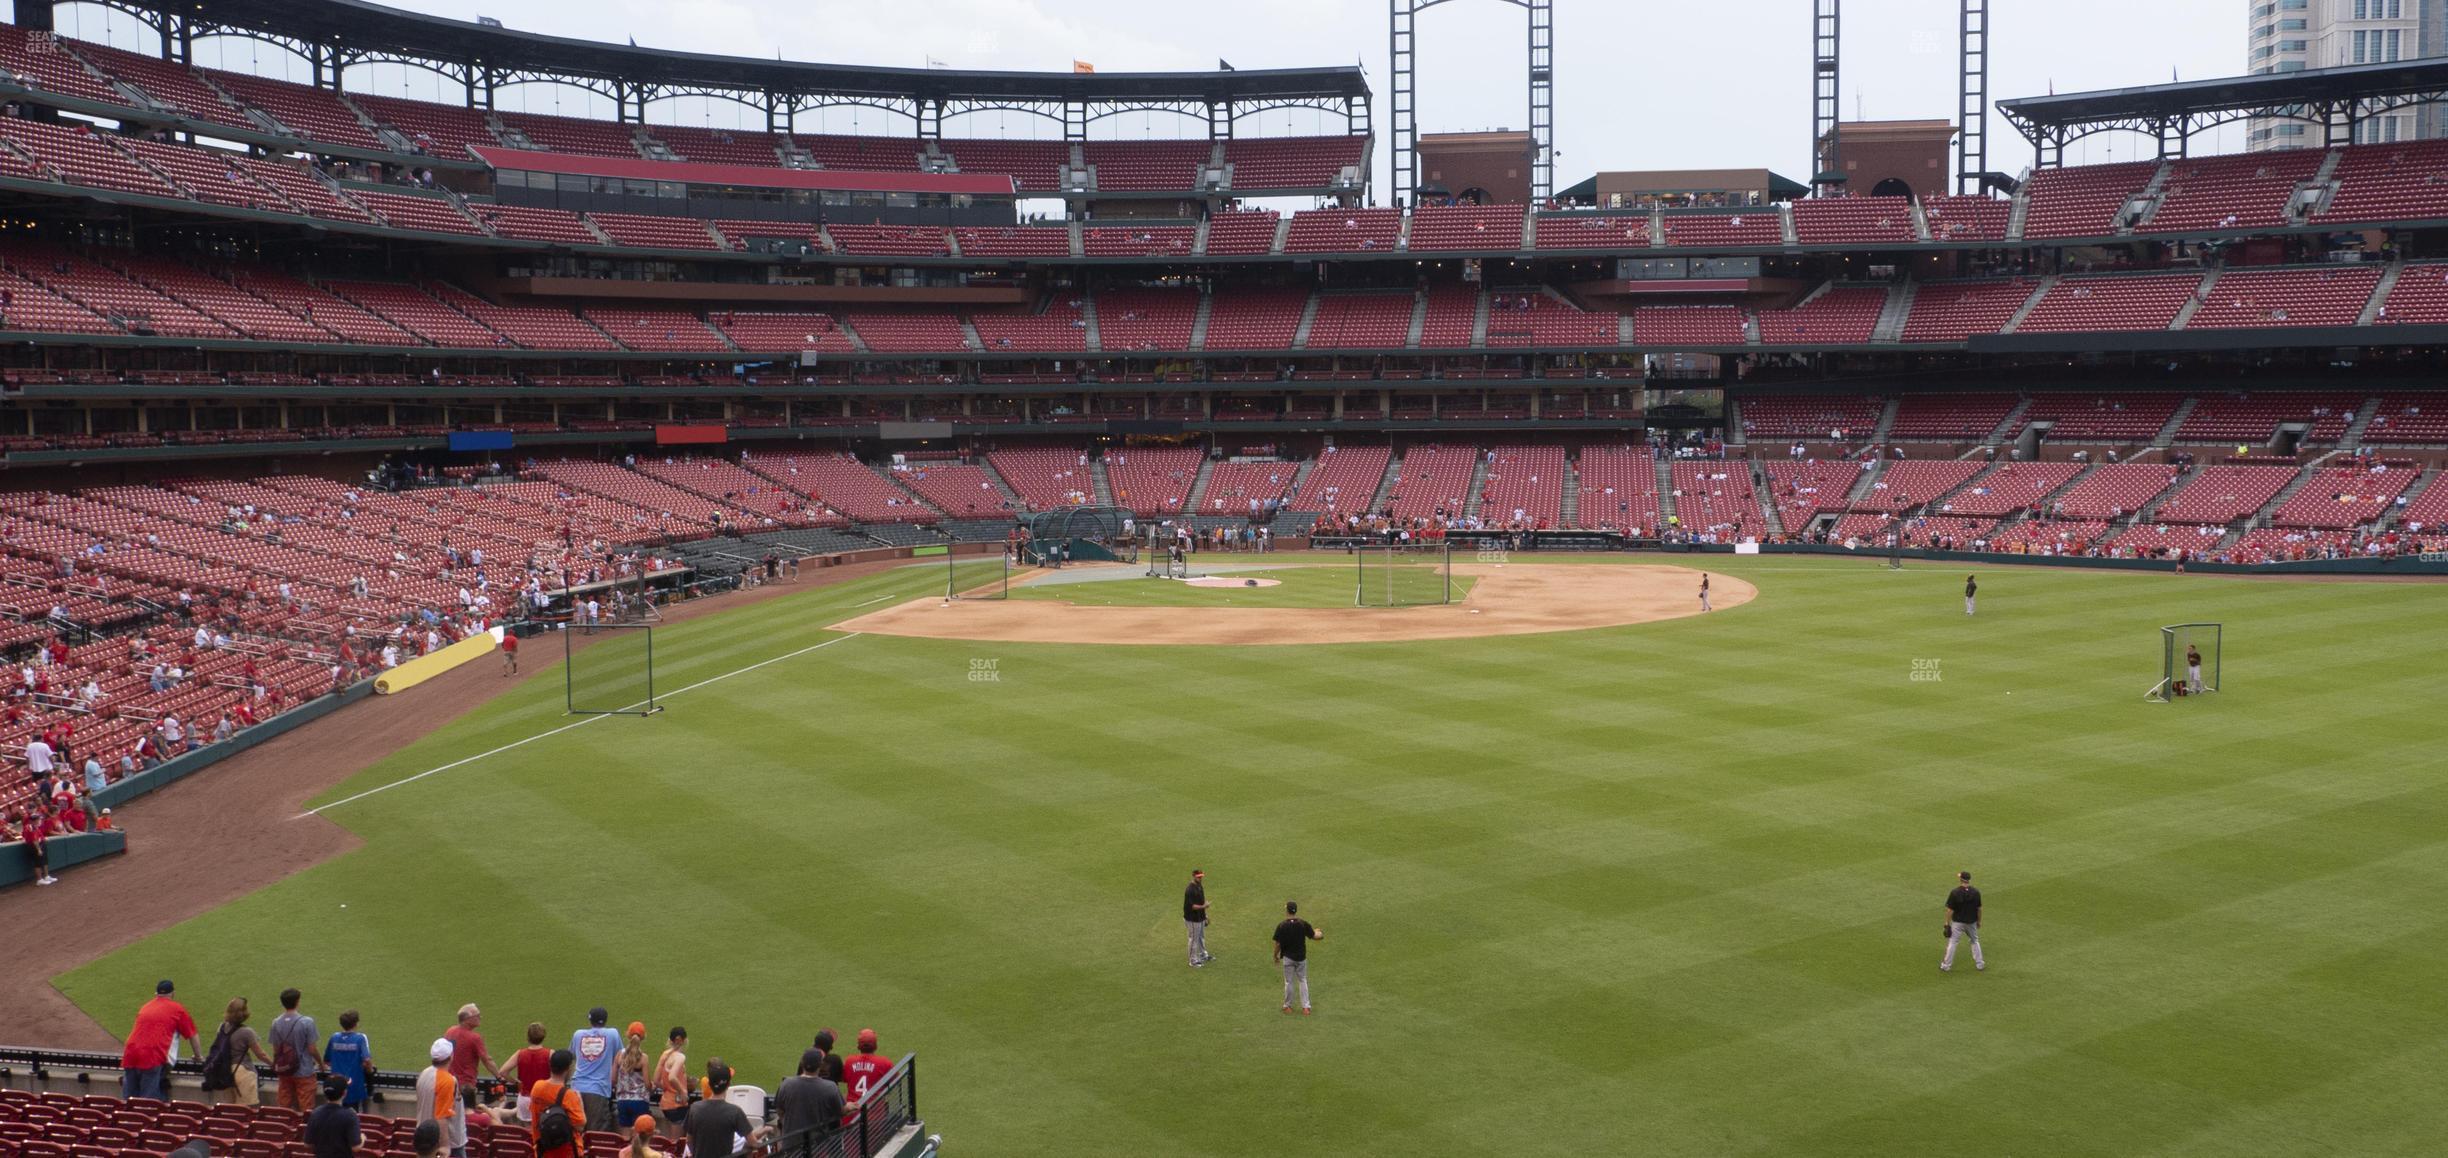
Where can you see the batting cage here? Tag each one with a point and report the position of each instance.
(1080, 535)
(1402, 574)
(608, 669)
(2180, 645)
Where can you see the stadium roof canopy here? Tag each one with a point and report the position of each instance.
(2333, 98)
(335, 34)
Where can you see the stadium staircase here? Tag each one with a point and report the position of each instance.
(1785, 225)
(2201, 294)
(1079, 242)
(1419, 319)
(1765, 492)
(1529, 240)
(1197, 493)
(2013, 422)
(2303, 477)
(1471, 499)
(2167, 434)
(1569, 513)
(1198, 322)
(1309, 309)
(2152, 196)
(1100, 481)
(1886, 422)
(2413, 494)
(2352, 439)
(1385, 483)
(1283, 229)
(2029, 304)
(2020, 209)
(952, 243)
(1664, 473)
(1479, 320)
(1198, 240)
(2323, 181)
(1920, 221)
(969, 334)
(1011, 498)
(1402, 234)
(2380, 293)
(1088, 319)
(1890, 326)
(1859, 492)
(1750, 328)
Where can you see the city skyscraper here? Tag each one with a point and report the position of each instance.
(2294, 35)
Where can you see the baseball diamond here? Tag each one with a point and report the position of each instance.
(570, 589)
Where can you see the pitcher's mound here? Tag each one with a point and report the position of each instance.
(1516, 600)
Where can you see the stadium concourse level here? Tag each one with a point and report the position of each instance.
(85, 292)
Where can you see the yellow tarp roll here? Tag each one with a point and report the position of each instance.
(425, 667)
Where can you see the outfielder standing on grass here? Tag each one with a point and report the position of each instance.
(2193, 668)
(1292, 939)
(1704, 604)
(1971, 588)
(1963, 906)
(1194, 917)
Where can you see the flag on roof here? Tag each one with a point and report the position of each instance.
(1082, 66)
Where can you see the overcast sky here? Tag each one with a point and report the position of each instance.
(1638, 85)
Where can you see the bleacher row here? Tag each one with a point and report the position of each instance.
(104, 75)
(56, 290)
(2122, 418)
(57, 1125)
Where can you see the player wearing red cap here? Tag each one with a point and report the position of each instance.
(865, 1070)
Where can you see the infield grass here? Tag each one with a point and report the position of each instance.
(1662, 890)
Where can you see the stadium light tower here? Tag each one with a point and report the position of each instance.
(1826, 94)
(1402, 49)
(1972, 97)
(1971, 90)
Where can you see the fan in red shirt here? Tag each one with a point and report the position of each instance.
(144, 1065)
(865, 1070)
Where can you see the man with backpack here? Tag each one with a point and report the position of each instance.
(557, 1113)
(294, 1056)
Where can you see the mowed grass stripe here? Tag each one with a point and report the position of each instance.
(1665, 889)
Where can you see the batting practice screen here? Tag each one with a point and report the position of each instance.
(609, 670)
(2176, 643)
(1403, 575)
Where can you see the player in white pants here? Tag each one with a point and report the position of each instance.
(1194, 918)
(1292, 939)
(1963, 907)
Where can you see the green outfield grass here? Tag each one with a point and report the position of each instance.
(1330, 583)
(1661, 890)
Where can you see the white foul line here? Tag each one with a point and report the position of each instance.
(577, 724)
